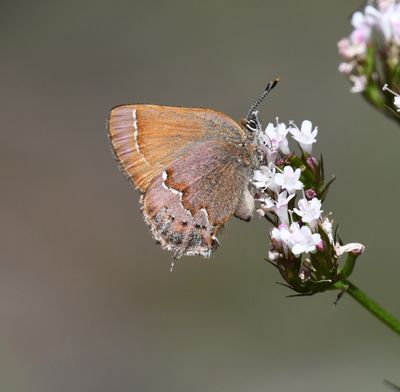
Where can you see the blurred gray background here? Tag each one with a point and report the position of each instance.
(87, 302)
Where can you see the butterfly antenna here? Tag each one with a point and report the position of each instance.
(270, 86)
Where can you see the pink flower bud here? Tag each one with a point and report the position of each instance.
(280, 162)
(320, 246)
(310, 194)
(312, 163)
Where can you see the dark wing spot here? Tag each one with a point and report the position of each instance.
(176, 238)
(195, 239)
(165, 228)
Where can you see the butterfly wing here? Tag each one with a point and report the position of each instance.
(148, 138)
(194, 196)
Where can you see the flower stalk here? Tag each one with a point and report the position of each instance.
(369, 304)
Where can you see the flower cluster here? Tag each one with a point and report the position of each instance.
(290, 190)
(371, 52)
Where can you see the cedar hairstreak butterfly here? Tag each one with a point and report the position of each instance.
(192, 167)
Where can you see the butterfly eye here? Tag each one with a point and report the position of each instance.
(251, 125)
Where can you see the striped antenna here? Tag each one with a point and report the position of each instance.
(267, 90)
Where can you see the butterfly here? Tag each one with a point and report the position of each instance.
(192, 167)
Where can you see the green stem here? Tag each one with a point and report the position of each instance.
(383, 315)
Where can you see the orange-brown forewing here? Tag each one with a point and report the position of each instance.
(148, 138)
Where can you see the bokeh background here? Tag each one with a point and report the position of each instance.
(87, 302)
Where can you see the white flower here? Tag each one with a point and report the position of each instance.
(276, 136)
(359, 41)
(356, 44)
(289, 179)
(304, 241)
(272, 140)
(396, 97)
(359, 83)
(265, 177)
(280, 232)
(358, 19)
(267, 202)
(388, 22)
(309, 210)
(385, 20)
(365, 20)
(272, 256)
(384, 24)
(361, 34)
(278, 207)
(345, 49)
(384, 4)
(328, 228)
(397, 102)
(281, 206)
(298, 239)
(354, 247)
(305, 136)
(396, 25)
(348, 50)
(346, 68)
